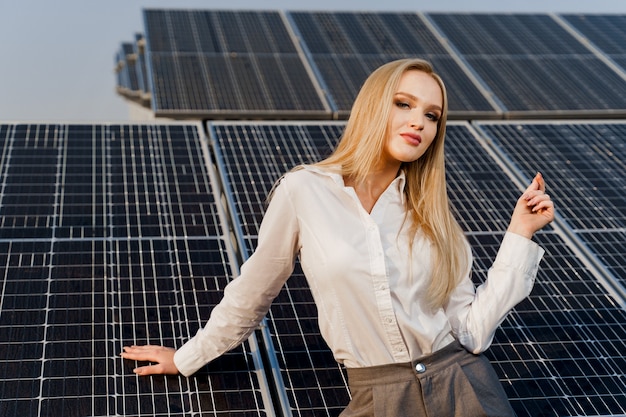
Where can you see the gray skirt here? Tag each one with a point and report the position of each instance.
(449, 383)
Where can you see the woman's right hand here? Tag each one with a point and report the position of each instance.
(162, 359)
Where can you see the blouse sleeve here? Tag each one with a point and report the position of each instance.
(475, 314)
(248, 297)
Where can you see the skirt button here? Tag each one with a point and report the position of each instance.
(420, 368)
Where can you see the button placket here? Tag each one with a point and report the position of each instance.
(382, 292)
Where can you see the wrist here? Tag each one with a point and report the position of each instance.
(522, 231)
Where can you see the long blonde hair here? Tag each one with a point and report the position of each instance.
(428, 207)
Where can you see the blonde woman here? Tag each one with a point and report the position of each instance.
(387, 264)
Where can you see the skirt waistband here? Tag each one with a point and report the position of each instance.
(394, 372)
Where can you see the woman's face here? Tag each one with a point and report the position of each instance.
(412, 126)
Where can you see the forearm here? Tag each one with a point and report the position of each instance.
(477, 316)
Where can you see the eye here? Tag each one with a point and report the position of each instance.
(402, 104)
(432, 117)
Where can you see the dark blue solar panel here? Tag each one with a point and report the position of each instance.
(507, 34)
(585, 165)
(533, 64)
(607, 32)
(111, 236)
(558, 352)
(251, 158)
(227, 64)
(347, 46)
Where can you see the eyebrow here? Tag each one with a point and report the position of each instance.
(412, 97)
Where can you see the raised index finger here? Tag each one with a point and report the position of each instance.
(537, 184)
(540, 181)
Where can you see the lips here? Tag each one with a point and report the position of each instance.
(412, 138)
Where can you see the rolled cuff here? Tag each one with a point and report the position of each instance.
(187, 360)
(520, 253)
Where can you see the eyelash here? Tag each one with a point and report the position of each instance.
(402, 104)
(405, 105)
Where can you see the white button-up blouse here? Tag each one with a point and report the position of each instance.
(369, 291)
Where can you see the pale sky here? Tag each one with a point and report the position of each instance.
(57, 56)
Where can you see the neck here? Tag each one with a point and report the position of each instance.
(375, 183)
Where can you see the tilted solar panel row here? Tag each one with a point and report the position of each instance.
(605, 32)
(227, 63)
(220, 64)
(533, 64)
(120, 240)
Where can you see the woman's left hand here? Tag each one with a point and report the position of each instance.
(162, 359)
(534, 209)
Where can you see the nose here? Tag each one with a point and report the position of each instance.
(416, 120)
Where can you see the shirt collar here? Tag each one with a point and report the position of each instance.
(400, 180)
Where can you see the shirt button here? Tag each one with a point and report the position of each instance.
(420, 368)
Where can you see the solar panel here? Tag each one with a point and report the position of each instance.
(558, 353)
(605, 31)
(111, 236)
(585, 162)
(227, 64)
(346, 47)
(532, 64)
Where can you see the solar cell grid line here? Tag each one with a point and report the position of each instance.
(530, 83)
(507, 34)
(558, 353)
(210, 40)
(585, 162)
(166, 93)
(164, 155)
(193, 83)
(25, 271)
(167, 308)
(157, 29)
(181, 24)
